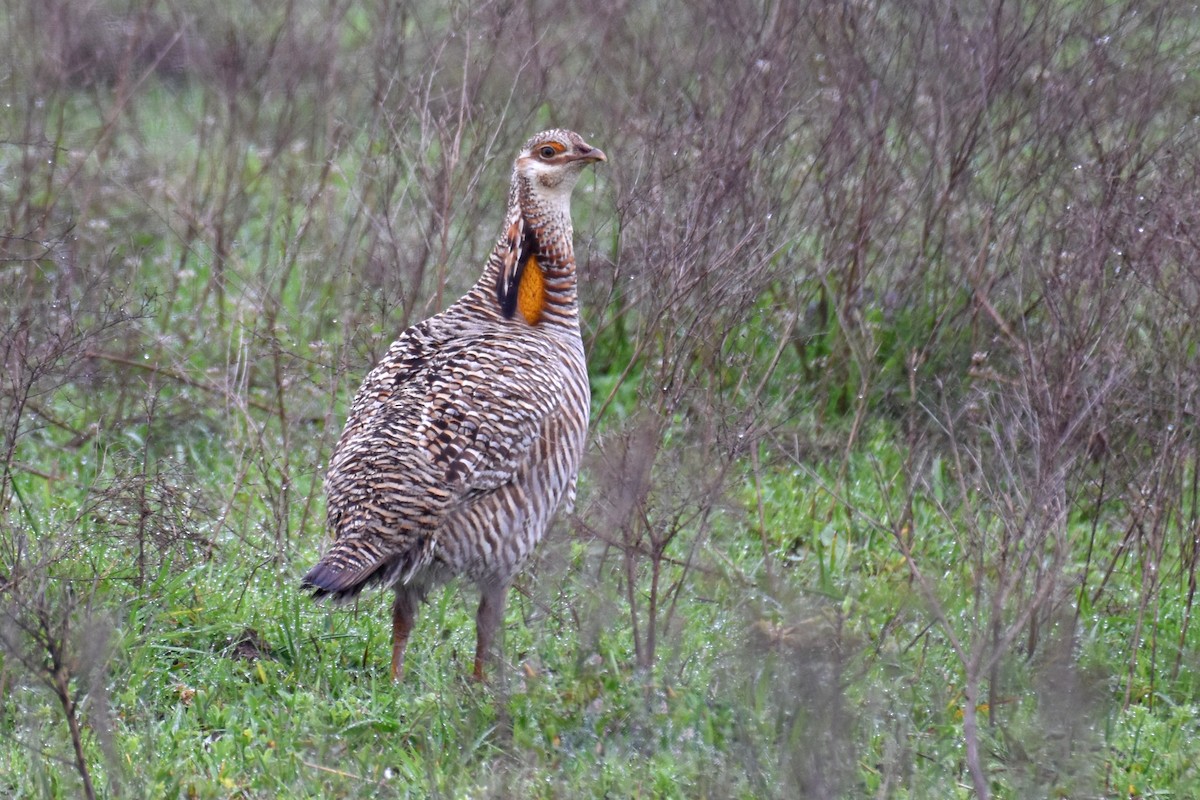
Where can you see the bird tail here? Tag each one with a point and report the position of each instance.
(351, 565)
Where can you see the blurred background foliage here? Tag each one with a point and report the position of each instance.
(891, 317)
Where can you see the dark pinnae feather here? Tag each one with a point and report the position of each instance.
(506, 286)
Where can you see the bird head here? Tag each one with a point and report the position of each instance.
(550, 163)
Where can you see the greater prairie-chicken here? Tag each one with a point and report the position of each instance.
(466, 438)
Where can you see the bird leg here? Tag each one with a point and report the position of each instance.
(404, 612)
(487, 622)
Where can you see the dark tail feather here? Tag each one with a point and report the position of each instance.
(349, 567)
(326, 579)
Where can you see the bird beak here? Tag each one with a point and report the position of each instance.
(589, 155)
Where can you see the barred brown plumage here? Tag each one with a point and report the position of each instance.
(466, 438)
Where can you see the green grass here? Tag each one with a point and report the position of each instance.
(737, 700)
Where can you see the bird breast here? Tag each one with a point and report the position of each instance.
(490, 538)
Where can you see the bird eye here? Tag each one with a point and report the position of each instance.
(548, 152)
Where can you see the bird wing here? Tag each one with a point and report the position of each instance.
(485, 408)
(435, 425)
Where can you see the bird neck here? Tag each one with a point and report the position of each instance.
(546, 281)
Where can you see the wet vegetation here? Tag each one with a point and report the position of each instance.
(891, 310)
